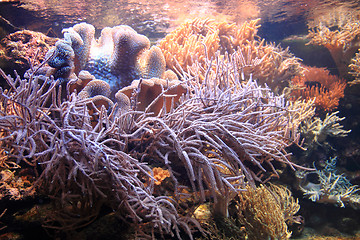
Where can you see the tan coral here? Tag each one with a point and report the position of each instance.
(97, 93)
(198, 40)
(151, 89)
(84, 77)
(338, 30)
(265, 211)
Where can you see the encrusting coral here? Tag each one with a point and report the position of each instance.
(199, 39)
(18, 48)
(318, 83)
(338, 30)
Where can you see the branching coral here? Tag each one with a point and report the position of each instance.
(330, 187)
(338, 30)
(316, 130)
(318, 83)
(266, 211)
(355, 69)
(198, 40)
(83, 166)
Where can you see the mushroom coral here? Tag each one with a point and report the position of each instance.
(156, 94)
(320, 84)
(119, 56)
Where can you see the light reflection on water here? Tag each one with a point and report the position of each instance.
(155, 18)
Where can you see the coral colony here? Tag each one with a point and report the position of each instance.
(104, 123)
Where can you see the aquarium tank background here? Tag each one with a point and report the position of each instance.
(179, 119)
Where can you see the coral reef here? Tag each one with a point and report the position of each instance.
(266, 212)
(316, 130)
(154, 92)
(119, 56)
(355, 69)
(327, 186)
(219, 137)
(318, 83)
(200, 39)
(17, 49)
(337, 29)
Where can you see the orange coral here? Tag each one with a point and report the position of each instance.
(198, 40)
(186, 44)
(160, 174)
(320, 84)
(338, 30)
(150, 89)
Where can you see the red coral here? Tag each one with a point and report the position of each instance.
(320, 84)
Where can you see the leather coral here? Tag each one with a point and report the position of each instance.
(118, 57)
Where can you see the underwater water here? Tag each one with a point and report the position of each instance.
(109, 163)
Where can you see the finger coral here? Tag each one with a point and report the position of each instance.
(318, 83)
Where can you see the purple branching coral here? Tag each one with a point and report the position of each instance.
(224, 134)
(83, 166)
(221, 136)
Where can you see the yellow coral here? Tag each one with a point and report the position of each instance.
(264, 211)
(160, 174)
